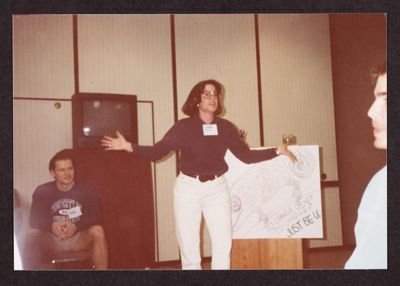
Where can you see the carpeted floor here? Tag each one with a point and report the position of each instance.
(317, 258)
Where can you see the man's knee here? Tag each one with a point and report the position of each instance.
(34, 233)
(97, 232)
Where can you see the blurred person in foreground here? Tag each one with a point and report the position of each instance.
(371, 226)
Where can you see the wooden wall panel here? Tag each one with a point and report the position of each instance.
(43, 56)
(359, 43)
(33, 148)
(297, 83)
(131, 54)
(42, 68)
(221, 47)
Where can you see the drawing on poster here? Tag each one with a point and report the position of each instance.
(276, 198)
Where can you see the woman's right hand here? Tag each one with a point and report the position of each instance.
(118, 143)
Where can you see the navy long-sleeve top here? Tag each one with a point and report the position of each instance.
(200, 154)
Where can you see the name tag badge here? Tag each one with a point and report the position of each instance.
(210, 130)
(74, 212)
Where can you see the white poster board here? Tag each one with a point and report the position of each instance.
(276, 198)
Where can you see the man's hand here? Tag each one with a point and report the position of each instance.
(69, 230)
(57, 228)
(63, 229)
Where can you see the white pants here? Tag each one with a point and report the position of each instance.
(193, 198)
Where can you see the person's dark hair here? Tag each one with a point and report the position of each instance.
(66, 154)
(190, 106)
(374, 73)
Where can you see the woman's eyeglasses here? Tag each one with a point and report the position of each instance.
(208, 94)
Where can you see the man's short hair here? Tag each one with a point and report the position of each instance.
(374, 73)
(65, 154)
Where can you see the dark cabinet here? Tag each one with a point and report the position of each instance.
(124, 186)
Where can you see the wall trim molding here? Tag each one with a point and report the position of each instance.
(327, 184)
(259, 86)
(75, 52)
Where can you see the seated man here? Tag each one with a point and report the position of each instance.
(65, 216)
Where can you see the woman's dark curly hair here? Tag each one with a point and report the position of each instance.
(190, 106)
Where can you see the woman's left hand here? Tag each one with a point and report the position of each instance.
(284, 150)
(117, 143)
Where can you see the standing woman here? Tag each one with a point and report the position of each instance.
(200, 187)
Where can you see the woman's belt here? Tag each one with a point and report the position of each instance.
(203, 178)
